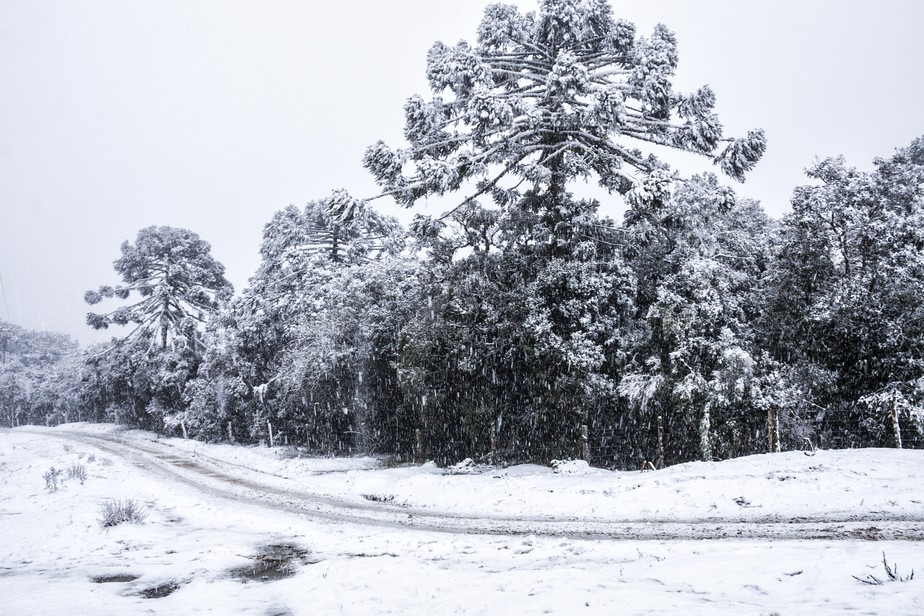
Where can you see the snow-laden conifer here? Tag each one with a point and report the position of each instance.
(548, 96)
(178, 282)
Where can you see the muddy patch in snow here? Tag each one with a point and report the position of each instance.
(160, 591)
(274, 562)
(114, 578)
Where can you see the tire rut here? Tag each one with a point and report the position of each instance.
(207, 477)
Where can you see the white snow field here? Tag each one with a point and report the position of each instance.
(252, 530)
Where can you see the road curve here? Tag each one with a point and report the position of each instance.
(219, 479)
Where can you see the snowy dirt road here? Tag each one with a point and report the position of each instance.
(252, 530)
(251, 486)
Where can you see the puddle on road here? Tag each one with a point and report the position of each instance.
(175, 461)
(274, 562)
(198, 468)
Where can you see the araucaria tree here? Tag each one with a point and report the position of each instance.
(546, 97)
(542, 303)
(178, 282)
(179, 285)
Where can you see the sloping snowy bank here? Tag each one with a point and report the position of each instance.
(833, 485)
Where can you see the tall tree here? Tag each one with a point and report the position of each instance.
(540, 100)
(699, 257)
(178, 286)
(250, 345)
(544, 98)
(179, 283)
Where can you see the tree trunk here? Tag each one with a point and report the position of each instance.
(335, 244)
(557, 199)
(659, 462)
(893, 411)
(269, 427)
(585, 443)
(773, 430)
(705, 438)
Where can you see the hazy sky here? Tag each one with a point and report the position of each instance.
(212, 115)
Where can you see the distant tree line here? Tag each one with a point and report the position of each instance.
(521, 325)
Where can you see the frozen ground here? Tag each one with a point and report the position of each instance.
(233, 530)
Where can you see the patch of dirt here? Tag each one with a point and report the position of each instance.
(159, 592)
(118, 577)
(274, 562)
(364, 555)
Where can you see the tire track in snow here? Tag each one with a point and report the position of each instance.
(207, 475)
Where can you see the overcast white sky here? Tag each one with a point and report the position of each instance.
(212, 115)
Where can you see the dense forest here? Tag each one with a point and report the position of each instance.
(521, 325)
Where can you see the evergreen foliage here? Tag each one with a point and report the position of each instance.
(140, 378)
(178, 281)
(257, 368)
(546, 97)
(845, 293)
(700, 256)
(39, 374)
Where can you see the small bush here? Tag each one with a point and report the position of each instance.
(77, 471)
(116, 511)
(51, 479)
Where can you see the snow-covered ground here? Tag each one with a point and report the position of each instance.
(212, 510)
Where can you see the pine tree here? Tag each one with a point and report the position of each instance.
(179, 283)
(547, 97)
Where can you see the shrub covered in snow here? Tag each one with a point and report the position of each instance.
(116, 511)
(570, 467)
